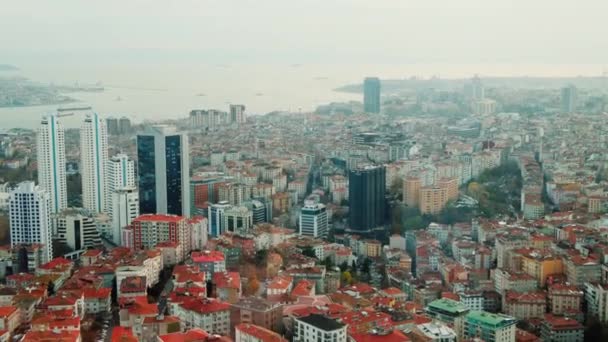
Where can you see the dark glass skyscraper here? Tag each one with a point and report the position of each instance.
(163, 167)
(366, 190)
(371, 95)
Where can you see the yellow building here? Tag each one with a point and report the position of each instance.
(540, 263)
(373, 248)
(432, 199)
(411, 191)
(451, 184)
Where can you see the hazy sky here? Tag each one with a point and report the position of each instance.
(307, 31)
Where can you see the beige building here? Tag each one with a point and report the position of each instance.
(411, 191)
(433, 199)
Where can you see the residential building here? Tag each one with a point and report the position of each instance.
(246, 332)
(208, 314)
(525, 305)
(124, 208)
(489, 327)
(564, 298)
(120, 174)
(209, 262)
(560, 328)
(93, 159)
(258, 311)
(149, 230)
(450, 312)
(30, 218)
(309, 328)
(50, 149)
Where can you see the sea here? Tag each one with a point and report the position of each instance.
(159, 91)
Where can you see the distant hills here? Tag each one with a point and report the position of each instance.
(396, 85)
(8, 67)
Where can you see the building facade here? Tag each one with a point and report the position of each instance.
(164, 171)
(50, 145)
(367, 198)
(30, 218)
(93, 159)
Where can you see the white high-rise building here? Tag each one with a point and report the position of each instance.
(30, 217)
(120, 173)
(50, 146)
(313, 220)
(124, 209)
(93, 158)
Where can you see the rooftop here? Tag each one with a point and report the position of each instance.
(321, 322)
(490, 319)
(448, 305)
(260, 333)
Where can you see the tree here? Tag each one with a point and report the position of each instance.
(309, 251)
(347, 278)
(328, 263)
(414, 223)
(260, 256)
(253, 286)
(397, 187)
(365, 268)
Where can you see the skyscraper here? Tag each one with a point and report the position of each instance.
(569, 96)
(30, 217)
(163, 166)
(237, 114)
(120, 173)
(366, 190)
(371, 95)
(313, 220)
(93, 158)
(51, 161)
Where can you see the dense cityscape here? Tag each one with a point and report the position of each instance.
(448, 213)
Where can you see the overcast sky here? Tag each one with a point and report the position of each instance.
(308, 31)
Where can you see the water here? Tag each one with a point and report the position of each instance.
(150, 91)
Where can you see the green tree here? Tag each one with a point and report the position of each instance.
(347, 278)
(414, 223)
(309, 251)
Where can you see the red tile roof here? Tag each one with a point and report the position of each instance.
(281, 282)
(205, 305)
(50, 336)
(393, 336)
(92, 253)
(207, 256)
(158, 218)
(227, 280)
(303, 288)
(104, 292)
(260, 333)
(192, 335)
(57, 262)
(123, 334)
(6, 311)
